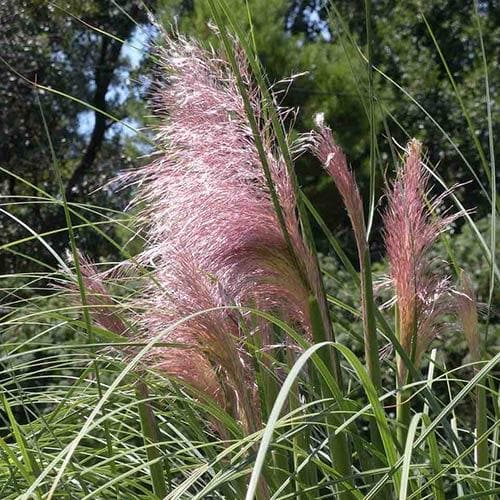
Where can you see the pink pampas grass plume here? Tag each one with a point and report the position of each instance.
(186, 363)
(207, 192)
(411, 226)
(335, 163)
(213, 239)
(213, 352)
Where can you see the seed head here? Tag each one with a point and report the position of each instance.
(411, 226)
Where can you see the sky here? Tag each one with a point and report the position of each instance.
(135, 51)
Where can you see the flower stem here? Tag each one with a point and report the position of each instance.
(481, 428)
(369, 323)
(403, 396)
(402, 415)
(370, 335)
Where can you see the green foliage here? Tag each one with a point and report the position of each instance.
(83, 74)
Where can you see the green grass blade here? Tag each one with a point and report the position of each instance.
(371, 114)
(470, 127)
(30, 468)
(435, 459)
(76, 262)
(150, 432)
(339, 446)
(378, 410)
(407, 455)
(274, 416)
(445, 412)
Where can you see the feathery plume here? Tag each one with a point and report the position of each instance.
(213, 235)
(209, 334)
(186, 363)
(206, 192)
(100, 302)
(335, 163)
(411, 226)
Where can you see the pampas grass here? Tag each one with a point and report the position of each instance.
(209, 368)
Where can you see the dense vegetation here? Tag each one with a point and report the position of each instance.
(294, 386)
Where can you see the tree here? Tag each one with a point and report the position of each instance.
(407, 53)
(77, 52)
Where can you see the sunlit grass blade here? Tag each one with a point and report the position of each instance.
(434, 455)
(30, 467)
(379, 414)
(407, 456)
(339, 446)
(273, 418)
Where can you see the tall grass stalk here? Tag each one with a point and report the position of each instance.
(270, 109)
(338, 444)
(149, 428)
(319, 309)
(335, 163)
